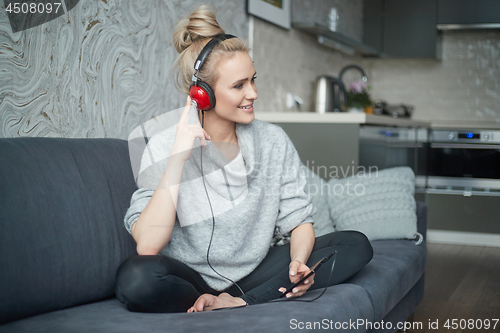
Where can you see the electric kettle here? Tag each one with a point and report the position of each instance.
(327, 97)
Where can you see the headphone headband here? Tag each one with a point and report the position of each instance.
(206, 52)
(200, 91)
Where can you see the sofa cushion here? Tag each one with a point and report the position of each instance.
(340, 303)
(62, 203)
(395, 268)
(381, 205)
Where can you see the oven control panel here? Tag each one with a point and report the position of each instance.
(464, 136)
(490, 137)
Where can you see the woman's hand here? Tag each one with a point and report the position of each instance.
(185, 135)
(297, 271)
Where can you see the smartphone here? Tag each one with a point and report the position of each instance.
(314, 269)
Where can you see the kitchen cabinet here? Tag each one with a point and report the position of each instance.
(373, 24)
(335, 40)
(401, 28)
(330, 150)
(334, 24)
(458, 212)
(330, 144)
(468, 12)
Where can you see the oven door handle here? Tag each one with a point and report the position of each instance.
(465, 193)
(464, 146)
(404, 145)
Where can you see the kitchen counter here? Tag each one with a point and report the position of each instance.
(332, 140)
(338, 117)
(467, 125)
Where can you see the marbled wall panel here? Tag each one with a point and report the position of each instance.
(99, 70)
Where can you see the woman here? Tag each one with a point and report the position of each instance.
(225, 260)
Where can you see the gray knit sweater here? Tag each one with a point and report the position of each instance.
(273, 196)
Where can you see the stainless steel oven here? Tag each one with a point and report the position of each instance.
(465, 154)
(463, 181)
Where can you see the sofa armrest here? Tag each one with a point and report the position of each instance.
(422, 218)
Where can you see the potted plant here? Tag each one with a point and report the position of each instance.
(358, 98)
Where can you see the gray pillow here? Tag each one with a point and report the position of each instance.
(379, 204)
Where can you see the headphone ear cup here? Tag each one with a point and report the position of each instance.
(203, 95)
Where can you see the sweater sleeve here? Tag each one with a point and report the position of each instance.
(153, 163)
(295, 207)
(138, 202)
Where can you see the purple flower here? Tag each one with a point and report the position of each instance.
(357, 87)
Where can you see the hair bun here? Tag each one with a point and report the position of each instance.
(202, 23)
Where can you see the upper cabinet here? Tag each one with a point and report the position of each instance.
(467, 12)
(335, 24)
(401, 28)
(410, 28)
(391, 28)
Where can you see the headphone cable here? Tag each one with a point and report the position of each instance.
(212, 235)
(213, 217)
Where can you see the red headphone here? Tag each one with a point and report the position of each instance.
(200, 91)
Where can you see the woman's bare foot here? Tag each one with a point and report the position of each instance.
(208, 302)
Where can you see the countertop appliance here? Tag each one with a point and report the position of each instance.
(463, 182)
(465, 159)
(327, 97)
(330, 90)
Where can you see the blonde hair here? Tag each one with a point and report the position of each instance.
(190, 36)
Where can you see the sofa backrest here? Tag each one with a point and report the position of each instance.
(62, 203)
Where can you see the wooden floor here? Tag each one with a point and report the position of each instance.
(461, 282)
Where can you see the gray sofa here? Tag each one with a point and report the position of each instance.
(62, 203)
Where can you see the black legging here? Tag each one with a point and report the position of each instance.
(156, 283)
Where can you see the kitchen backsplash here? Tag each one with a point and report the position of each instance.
(288, 61)
(464, 85)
